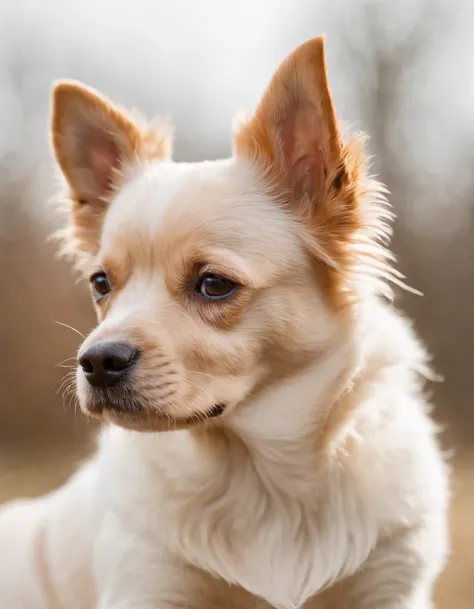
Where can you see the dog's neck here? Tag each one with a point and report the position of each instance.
(285, 427)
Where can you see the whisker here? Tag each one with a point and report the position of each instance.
(66, 360)
(194, 416)
(60, 323)
(64, 379)
(68, 391)
(65, 385)
(214, 378)
(206, 395)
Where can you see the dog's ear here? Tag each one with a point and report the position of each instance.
(295, 138)
(294, 130)
(94, 142)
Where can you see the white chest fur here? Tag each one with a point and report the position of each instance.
(279, 547)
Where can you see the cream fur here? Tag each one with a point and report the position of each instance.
(321, 485)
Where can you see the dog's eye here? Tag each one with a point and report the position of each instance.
(215, 287)
(100, 285)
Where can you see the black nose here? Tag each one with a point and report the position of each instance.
(105, 363)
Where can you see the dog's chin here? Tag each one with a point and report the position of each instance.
(147, 421)
(144, 421)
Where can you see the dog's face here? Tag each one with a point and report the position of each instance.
(211, 280)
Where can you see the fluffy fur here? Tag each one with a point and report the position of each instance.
(321, 483)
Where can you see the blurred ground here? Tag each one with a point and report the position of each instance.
(403, 71)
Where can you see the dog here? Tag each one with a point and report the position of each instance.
(266, 439)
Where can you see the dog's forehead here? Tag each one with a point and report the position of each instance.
(143, 201)
(223, 202)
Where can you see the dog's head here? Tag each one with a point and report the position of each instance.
(214, 279)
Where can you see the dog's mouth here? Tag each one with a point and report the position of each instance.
(216, 411)
(136, 417)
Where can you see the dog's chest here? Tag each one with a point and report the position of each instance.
(277, 545)
(281, 531)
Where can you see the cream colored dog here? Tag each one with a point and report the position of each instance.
(242, 309)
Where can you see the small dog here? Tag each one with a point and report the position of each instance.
(242, 310)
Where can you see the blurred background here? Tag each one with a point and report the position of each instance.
(403, 71)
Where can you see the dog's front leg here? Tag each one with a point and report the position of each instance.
(134, 570)
(146, 581)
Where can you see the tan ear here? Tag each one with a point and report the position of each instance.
(294, 133)
(295, 139)
(91, 140)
